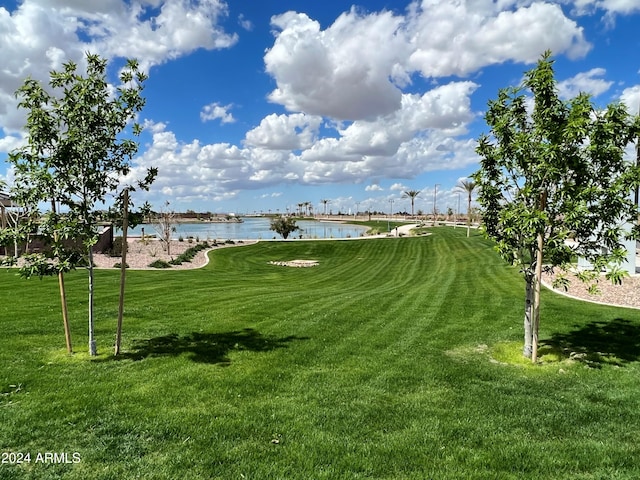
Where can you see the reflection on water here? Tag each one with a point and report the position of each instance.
(255, 229)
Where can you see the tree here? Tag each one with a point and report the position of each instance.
(555, 174)
(122, 216)
(411, 194)
(284, 226)
(165, 226)
(76, 155)
(324, 202)
(469, 187)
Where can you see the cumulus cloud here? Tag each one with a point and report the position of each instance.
(611, 7)
(457, 38)
(39, 35)
(316, 72)
(285, 132)
(588, 82)
(373, 188)
(631, 98)
(157, 31)
(215, 111)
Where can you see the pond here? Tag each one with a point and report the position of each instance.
(255, 228)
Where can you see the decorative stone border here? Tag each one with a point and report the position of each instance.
(297, 263)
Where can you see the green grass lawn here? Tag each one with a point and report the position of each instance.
(394, 358)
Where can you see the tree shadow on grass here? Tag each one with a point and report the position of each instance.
(614, 342)
(212, 348)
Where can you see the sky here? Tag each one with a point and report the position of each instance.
(257, 106)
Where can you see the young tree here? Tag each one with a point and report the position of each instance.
(411, 194)
(555, 174)
(76, 153)
(284, 226)
(468, 186)
(164, 224)
(121, 215)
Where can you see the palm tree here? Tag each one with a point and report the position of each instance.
(412, 194)
(325, 201)
(468, 186)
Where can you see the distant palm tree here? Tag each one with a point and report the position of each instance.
(412, 194)
(306, 208)
(325, 201)
(468, 186)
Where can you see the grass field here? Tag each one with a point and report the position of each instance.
(394, 358)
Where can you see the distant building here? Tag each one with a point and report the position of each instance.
(5, 202)
(629, 264)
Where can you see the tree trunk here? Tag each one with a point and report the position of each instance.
(65, 312)
(92, 341)
(63, 293)
(538, 283)
(123, 271)
(469, 216)
(528, 315)
(536, 299)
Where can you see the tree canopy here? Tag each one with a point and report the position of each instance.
(284, 226)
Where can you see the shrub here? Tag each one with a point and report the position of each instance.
(181, 238)
(119, 265)
(116, 247)
(159, 264)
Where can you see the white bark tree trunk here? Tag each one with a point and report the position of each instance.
(93, 350)
(528, 315)
(536, 299)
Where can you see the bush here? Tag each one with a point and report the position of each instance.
(181, 238)
(116, 247)
(119, 265)
(159, 264)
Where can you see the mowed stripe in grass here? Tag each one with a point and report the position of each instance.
(374, 364)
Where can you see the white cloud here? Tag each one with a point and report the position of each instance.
(215, 111)
(457, 38)
(316, 71)
(245, 23)
(39, 35)
(612, 7)
(159, 31)
(587, 82)
(285, 132)
(373, 188)
(10, 142)
(398, 187)
(631, 98)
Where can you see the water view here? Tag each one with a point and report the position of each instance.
(255, 229)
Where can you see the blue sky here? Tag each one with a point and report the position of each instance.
(259, 106)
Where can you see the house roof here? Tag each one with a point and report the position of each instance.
(5, 201)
